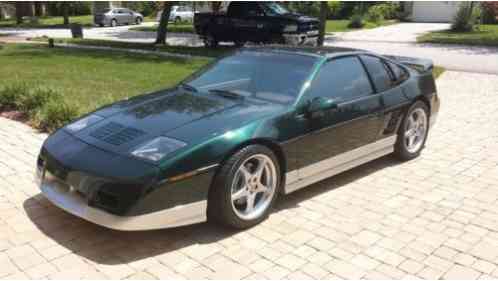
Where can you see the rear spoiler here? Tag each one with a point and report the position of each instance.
(421, 65)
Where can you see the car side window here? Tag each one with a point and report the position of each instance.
(236, 9)
(399, 74)
(253, 9)
(378, 72)
(342, 79)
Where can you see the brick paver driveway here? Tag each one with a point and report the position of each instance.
(434, 217)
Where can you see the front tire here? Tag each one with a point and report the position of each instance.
(138, 21)
(114, 23)
(413, 132)
(245, 188)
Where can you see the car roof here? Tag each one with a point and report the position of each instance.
(326, 52)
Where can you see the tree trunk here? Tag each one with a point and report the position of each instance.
(163, 23)
(324, 9)
(65, 12)
(19, 12)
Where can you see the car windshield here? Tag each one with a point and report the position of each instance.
(275, 9)
(271, 76)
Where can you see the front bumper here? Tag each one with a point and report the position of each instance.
(117, 192)
(71, 201)
(305, 38)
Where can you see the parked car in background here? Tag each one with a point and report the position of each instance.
(179, 14)
(227, 141)
(258, 22)
(117, 16)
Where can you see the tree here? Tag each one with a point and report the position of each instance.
(19, 12)
(163, 23)
(324, 10)
(215, 6)
(65, 12)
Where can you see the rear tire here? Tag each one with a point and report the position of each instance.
(245, 188)
(413, 132)
(210, 41)
(177, 20)
(114, 23)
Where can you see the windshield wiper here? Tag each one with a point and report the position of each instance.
(188, 87)
(227, 93)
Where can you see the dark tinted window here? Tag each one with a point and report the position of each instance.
(343, 79)
(243, 9)
(235, 9)
(379, 72)
(253, 9)
(399, 73)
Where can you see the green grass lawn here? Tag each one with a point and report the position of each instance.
(485, 35)
(180, 28)
(186, 50)
(89, 79)
(342, 25)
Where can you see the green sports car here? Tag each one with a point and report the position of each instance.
(227, 141)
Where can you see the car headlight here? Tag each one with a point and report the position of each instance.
(83, 123)
(290, 28)
(157, 148)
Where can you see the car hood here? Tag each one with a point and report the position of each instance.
(299, 18)
(130, 123)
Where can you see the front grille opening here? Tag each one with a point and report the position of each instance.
(107, 200)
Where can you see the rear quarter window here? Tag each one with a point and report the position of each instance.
(399, 73)
(378, 72)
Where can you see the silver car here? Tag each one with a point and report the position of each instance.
(117, 16)
(178, 14)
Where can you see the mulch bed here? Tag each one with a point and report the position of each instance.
(14, 115)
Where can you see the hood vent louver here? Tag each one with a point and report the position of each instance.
(116, 134)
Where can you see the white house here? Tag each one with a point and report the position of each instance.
(432, 11)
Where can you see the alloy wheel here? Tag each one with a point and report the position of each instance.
(415, 130)
(253, 187)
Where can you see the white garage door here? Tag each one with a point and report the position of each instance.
(434, 11)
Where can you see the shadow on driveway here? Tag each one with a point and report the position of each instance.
(112, 247)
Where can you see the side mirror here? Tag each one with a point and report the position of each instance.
(319, 104)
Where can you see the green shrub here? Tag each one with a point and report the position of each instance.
(334, 9)
(45, 107)
(464, 19)
(35, 99)
(389, 10)
(375, 14)
(356, 20)
(55, 114)
(11, 95)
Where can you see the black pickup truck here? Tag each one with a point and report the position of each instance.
(257, 22)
